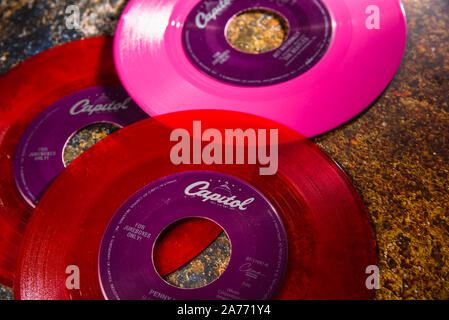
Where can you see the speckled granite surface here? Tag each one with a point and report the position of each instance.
(396, 152)
(205, 268)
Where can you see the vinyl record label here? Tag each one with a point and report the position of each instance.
(39, 157)
(259, 242)
(308, 28)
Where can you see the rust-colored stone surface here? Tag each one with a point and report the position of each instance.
(86, 138)
(396, 152)
(205, 268)
(257, 31)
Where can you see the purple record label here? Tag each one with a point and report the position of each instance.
(308, 39)
(258, 239)
(38, 158)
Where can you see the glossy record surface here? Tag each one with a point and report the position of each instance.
(330, 240)
(27, 91)
(357, 67)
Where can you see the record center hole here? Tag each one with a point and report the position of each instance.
(203, 269)
(85, 138)
(257, 31)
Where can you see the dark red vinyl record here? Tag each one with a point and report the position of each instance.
(9, 244)
(46, 100)
(297, 226)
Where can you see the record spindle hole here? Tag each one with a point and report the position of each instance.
(257, 31)
(201, 271)
(85, 138)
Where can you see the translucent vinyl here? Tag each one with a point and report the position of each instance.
(330, 239)
(366, 48)
(27, 90)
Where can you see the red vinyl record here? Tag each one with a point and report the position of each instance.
(302, 232)
(9, 244)
(50, 80)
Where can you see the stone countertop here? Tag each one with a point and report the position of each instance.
(396, 152)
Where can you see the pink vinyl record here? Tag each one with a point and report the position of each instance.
(336, 58)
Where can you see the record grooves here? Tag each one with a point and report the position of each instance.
(330, 241)
(174, 55)
(73, 71)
